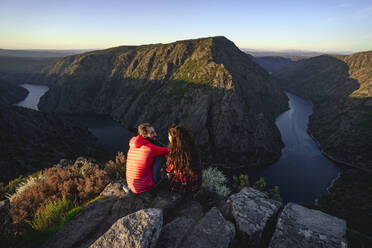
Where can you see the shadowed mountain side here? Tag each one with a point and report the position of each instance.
(208, 84)
(31, 140)
(10, 93)
(19, 70)
(341, 89)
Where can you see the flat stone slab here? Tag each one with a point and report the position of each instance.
(211, 231)
(114, 190)
(253, 212)
(172, 234)
(138, 230)
(302, 227)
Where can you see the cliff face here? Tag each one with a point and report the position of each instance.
(341, 89)
(207, 84)
(31, 140)
(10, 94)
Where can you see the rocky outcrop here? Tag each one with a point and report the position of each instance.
(212, 231)
(340, 88)
(6, 230)
(10, 94)
(254, 213)
(207, 84)
(302, 227)
(129, 220)
(31, 140)
(147, 224)
(174, 232)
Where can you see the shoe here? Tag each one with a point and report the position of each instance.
(126, 189)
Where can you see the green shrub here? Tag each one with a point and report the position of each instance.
(71, 214)
(240, 182)
(260, 185)
(215, 181)
(78, 185)
(51, 215)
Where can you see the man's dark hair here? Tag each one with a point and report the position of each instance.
(142, 129)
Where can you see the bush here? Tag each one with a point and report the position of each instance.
(51, 215)
(215, 181)
(240, 182)
(260, 185)
(78, 185)
(116, 170)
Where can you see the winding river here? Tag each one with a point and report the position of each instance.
(302, 173)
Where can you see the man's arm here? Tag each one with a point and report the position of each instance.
(158, 151)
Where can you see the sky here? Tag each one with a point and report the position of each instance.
(317, 25)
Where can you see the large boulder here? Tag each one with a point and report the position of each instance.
(302, 227)
(5, 220)
(254, 213)
(172, 234)
(140, 229)
(211, 231)
(114, 189)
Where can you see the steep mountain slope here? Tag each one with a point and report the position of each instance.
(31, 140)
(341, 90)
(10, 93)
(207, 84)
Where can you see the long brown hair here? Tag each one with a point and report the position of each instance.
(182, 151)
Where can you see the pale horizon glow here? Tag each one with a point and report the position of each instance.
(323, 26)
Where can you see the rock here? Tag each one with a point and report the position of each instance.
(114, 190)
(190, 209)
(166, 201)
(172, 234)
(83, 225)
(140, 229)
(302, 227)
(127, 205)
(254, 213)
(6, 230)
(211, 231)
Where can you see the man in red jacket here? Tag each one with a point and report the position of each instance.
(144, 160)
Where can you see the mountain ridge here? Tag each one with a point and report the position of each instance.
(207, 84)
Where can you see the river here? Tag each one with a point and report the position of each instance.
(302, 173)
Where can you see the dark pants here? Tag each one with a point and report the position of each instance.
(156, 166)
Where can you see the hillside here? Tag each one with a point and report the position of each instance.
(31, 140)
(341, 89)
(19, 70)
(10, 94)
(207, 84)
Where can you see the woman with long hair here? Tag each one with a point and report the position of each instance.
(183, 161)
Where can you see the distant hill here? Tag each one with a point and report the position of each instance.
(39, 53)
(24, 66)
(341, 89)
(207, 84)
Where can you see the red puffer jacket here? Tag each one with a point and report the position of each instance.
(139, 163)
